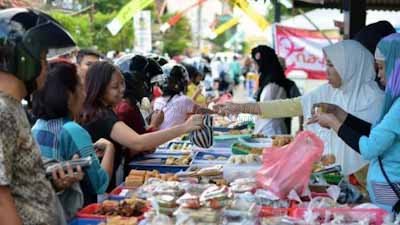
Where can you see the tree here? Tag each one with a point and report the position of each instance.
(78, 26)
(178, 37)
(107, 6)
(103, 38)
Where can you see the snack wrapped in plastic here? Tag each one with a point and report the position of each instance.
(216, 197)
(189, 201)
(243, 185)
(266, 198)
(202, 215)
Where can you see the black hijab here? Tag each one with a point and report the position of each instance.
(370, 35)
(270, 70)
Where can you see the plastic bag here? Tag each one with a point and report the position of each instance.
(289, 168)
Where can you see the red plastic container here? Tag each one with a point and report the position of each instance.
(270, 212)
(114, 194)
(376, 215)
(117, 190)
(89, 212)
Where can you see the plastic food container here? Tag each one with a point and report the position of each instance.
(266, 211)
(241, 149)
(376, 216)
(158, 163)
(119, 193)
(256, 142)
(232, 172)
(89, 213)
(210, 158)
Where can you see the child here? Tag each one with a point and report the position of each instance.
(175, 105)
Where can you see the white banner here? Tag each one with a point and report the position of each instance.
(142, 26)
(302, 49)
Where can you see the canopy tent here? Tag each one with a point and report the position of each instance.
(370, 4)
(324, 18)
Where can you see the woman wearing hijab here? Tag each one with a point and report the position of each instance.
(370, 35)
(351, 74)
(273, 85)
(379, 144)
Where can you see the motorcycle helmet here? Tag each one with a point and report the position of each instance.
(174, 80)
(27, 36)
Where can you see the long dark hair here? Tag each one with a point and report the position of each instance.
(270, 69)
(98, 77)
(51, 102)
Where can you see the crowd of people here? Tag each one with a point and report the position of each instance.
(86, 105)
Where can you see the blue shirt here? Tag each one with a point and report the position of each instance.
(61, 139)
(383, 141)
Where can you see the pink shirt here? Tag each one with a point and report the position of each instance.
(176, 111)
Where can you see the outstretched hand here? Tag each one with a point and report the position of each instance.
(337, 111)
(326, 120)
(228, 108)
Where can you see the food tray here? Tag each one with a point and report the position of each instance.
(157, 164)
(240, 149)
(164, 154)
(89, 213)
(376, 215)
(199, 158)
(256, 142)
(79, 221)
(225, 137)
(188, 146)
(241, 126)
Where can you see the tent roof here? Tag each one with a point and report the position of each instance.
(324, 18)
(338, 4)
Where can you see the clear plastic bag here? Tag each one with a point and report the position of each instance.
(289, 168)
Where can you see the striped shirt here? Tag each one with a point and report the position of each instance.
(61, 139)
(384, 193)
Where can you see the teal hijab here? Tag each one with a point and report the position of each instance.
(389, 47)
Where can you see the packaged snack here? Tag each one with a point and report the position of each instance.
(202, 215)
(210, 171)
(189, 201)
(243, 185)
(216, 197)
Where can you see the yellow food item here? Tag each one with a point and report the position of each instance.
(182, 161)
(328, 159)
(281, 140)
(138, 177)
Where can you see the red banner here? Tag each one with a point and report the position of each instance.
(302, 49)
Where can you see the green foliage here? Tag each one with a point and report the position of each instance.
(109, 6)
(80, 28)
(103, 38)
(178, 37)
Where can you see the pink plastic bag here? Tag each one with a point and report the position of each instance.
(289, 168)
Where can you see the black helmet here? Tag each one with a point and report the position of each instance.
(161, 60)
(193, 72)
(124, 62)
(175, 79)
(138, 71)
(26, 36)
(153, 69)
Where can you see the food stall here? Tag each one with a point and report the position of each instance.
(241, 179)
